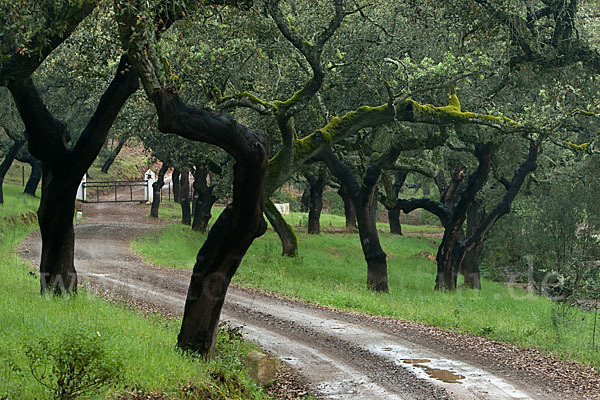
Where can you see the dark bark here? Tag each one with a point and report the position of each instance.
(113, 155)
(447, 262)
(305, 200)
(316, 186)
(394, 213)
(363, 199)
(394, 220)
(175, 183)
(184, 196)
(36, 173)
(9, 158)
(349, 211)
(452, 210)
(237, 226)
(63, 168)
(470, 263)
(204, 200)
(156, 188)
(289, 242)
(512, 188)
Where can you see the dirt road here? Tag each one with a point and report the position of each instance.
(342, 355)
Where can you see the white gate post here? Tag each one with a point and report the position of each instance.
(150, 178)
(81, 190)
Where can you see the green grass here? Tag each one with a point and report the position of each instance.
(17, 172)
(144, 345)
(17, 203)
(172, 211)
(331, 271)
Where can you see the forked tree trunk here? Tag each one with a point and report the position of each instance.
(449, 254)
(36, 173)
(63, 168)
(349, 211)
(203, 201)
(6, 163)
(184, 197)
(317, 184)
(113, 154)
(289, 242)
(156, 188)
(175, 180)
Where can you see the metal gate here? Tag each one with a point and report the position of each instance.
(115, 191)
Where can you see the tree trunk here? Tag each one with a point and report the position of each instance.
(377, 278)
(184, 196)
(470, 267)
(349, 211)
(204, 199)
(113, 155)
(394, 219)
(394, 213)
(156, 188)
(289, 242)
(63, 167)
(316, 186)
(55, 217)
(35, 175)
(450, 251)
(5, 166)
(237, 226)
(363, 199)
(305, 200)
(175, 181)
(446, 267)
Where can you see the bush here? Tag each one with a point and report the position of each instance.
(76, 363)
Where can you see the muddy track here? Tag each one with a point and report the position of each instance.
(342, 355)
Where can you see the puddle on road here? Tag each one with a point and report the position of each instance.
(443, 375)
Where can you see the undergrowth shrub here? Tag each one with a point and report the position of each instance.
(74, 364)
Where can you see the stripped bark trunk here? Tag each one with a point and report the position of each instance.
(289, 242)
(363, 199)
(36, 173)
(113, 155)
(316, 186)
(9, 158)
(175, 182)
(349, 211)
(63, 167)
(204, 199)
(184, 196)
(237, 226)
(156, 188)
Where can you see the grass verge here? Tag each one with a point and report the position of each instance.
(171, 211)
(331, 271)
(142, 347)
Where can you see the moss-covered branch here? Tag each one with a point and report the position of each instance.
(246, 100)
(411, 111)
(408, 111)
